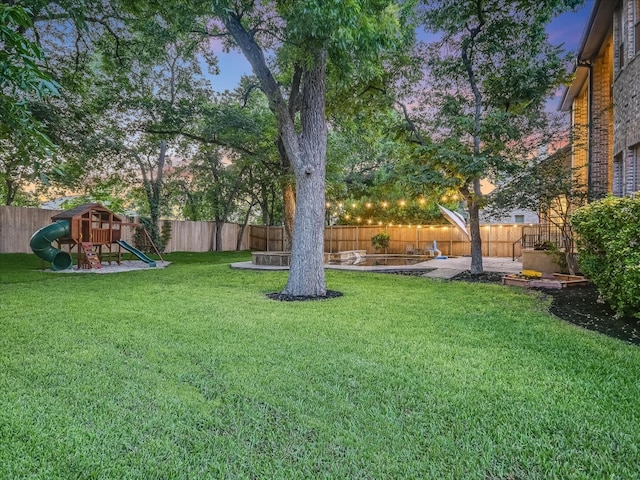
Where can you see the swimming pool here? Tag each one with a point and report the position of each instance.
(381, 260)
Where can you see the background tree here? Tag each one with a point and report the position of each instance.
(483, 106)
(24, 144)
(550, 187)
(309, 35)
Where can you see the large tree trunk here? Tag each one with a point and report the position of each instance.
(307, 153)
(476, 240)
(288, 193)
(152, 182)
(306, 277)
(289, 207)
(473, 203)
(219, 223)
(476, 196)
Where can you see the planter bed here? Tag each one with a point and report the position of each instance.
(556, 281)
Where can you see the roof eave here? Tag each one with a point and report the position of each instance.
(593, 36)
(572, 91)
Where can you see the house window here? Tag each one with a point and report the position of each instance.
(519, 218)
(618, 176)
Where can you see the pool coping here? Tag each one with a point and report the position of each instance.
(440, 268)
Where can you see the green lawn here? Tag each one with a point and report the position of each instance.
(190, 372)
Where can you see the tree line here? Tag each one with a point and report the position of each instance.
(117, 100)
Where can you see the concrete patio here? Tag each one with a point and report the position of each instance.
(444, 268)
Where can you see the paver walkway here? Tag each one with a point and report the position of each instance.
(450, 267)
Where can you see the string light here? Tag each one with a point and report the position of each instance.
(348, 210)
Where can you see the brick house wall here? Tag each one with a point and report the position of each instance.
(580, 140)
(605, 96)
(626, 94)
(601, 131)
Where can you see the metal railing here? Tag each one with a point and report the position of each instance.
(539, 236)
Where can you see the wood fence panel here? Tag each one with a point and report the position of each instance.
(187, 236)
(18, 224)
(230, 232)
(264, 238)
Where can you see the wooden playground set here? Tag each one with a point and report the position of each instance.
(94, 232)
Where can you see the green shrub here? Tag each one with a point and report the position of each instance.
(381, 240)
(165, 235)
(609, 250)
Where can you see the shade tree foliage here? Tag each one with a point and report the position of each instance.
(551, 187)
(308, 36)
(481, 113)
(135, 96)
(25, 146)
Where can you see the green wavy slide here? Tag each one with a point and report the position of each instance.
(40, 243)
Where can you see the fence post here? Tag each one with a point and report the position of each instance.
(330, 238)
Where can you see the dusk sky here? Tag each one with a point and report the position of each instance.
(566, 29)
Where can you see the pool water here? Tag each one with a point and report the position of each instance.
(382, 260)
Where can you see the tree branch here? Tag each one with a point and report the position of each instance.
(200, 138)
(268, 83)
(411, 123)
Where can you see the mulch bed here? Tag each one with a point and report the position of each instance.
(281, 297)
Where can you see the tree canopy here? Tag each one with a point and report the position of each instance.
(481, 114)
(23, 78)
(342, 106)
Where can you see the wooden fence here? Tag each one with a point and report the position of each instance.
(497, 240)
(200, 237)
(18, 224)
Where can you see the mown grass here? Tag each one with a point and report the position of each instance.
(190, 372)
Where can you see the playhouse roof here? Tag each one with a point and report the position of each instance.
(80, 210)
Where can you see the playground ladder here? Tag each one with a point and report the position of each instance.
(91, 258)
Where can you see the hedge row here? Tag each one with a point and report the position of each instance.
(609, 250)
